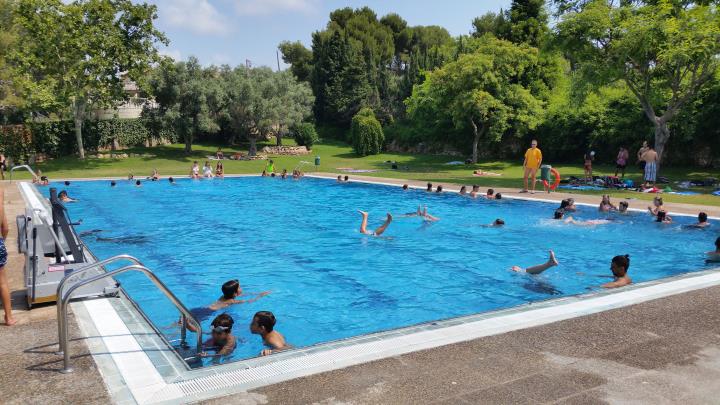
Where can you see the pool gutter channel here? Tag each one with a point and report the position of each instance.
(183, 384)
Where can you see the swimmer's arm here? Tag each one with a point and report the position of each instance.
(255, 298)
(228, 348)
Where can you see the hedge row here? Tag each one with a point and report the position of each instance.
(57, 138)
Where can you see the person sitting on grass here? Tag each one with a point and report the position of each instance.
(535, 270)
(263, 324)
(63, 196)
(490, 194)
(702, 221)
(619, 267)
(657, 206)
(715, 256)
(195, 170)
(222, 341)
(663, 217)
(219, 170)
(606, 205)
(379, 231)
(270, 166)
(219, 154)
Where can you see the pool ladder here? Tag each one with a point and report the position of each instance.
(63, 299)
(22, 167)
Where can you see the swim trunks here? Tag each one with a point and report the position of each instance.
(650, 171)
(3, 253)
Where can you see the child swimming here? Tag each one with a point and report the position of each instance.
(222, 341)
(263, 324)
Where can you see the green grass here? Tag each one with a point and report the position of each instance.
(171, 159)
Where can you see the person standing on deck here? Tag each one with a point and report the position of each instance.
(651, 165)
(4, 286)
(533, 160)
(640, 154)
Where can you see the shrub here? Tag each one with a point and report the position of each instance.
(305, 134)
(366, 133)
(16, 142)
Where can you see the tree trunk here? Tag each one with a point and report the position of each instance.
(279, 137)
(662, 134)
(189, 136)
(476, 140)
(252, 151)
(79, 117)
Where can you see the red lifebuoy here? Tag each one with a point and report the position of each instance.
(556, 182)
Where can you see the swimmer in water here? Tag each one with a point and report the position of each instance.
(606, 205)
(222, 341)
(623, 209)
(657, 206)
(231, 291)
(63, 196)
(534, 270)
(474, 191)
(619, 267)
(490, 194)
(463, 190)
(663, 217)
(568, 205)
(715, 256)
(172, 181)
(263, 324)
(379, 231)
(560, 213)
(702, 221)
(495, 224)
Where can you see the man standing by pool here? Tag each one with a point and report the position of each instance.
(533, 160)
(650, 157)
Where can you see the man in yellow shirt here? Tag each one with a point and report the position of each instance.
(533, 160)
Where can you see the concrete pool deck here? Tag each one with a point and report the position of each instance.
(582, 360)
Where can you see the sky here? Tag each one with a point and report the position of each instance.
(233, 31)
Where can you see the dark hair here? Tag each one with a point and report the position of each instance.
(702, 217)
(439, 189)
(622, 261)
(490, 191)
(62, 193)
(624, 204)
(661, 216)
(230, 288)
(266, 319)
(499, 221)
(717, 243)
(347, 178)
(272, 174)
(564, 203)
(463, 188)
(405, 186)
(559, 213)
(67, 183)
(223, 320)
(475, 187)
(339, 176)
(429, 186)
(112, 183)
(498, 196)
(171, 180)
(137, 182)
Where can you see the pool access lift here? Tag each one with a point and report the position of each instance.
(59, 268)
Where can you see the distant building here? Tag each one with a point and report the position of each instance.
(132, 108)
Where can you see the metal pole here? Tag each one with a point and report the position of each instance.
(66, 298)
(34, 260)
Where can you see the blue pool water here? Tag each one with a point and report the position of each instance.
(300, 240)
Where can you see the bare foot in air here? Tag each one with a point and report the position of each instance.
(553, 260)
(363, 213)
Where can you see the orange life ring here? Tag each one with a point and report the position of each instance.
(556, 182)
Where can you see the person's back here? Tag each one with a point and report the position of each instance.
(650, 156)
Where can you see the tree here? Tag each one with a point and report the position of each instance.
(190, 97)
(261, 102)
(525, 22)
(486, 92)
(75, 54)
(10, 97)
(366, 133)
(665, 51)
(299, 58)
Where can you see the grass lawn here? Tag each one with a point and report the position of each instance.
(171, 159)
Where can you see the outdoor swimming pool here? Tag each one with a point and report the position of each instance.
(300, 240)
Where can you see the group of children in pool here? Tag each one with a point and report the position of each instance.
(222, 341)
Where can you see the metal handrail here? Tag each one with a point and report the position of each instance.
(53, 234)
(20, 167)
(63, 301)
(73, 275)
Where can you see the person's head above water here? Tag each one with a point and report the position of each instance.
(499, 222)
(339, 178)
(405, 186)
(171, 180)
(498, 196)
(62, 194)
(717, 244)
(463, 190)
(231, 289)
(429, 187)
(564, 203)
(263, 322)
(559, 213)
(657, 201)
(620, 265)
(112, 183)
(137, 183)
(623, 206)
(272, 174)
(475, 188)
(490, 192)
(346, 178)
(67, 183)
(221, 327)
(439, 189)
(702, 217)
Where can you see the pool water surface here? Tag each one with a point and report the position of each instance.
(327, 281)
